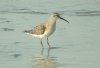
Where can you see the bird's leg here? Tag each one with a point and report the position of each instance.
(48, 52)
(41, 43)
(48, 43)
(42, 51)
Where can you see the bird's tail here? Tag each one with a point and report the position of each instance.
(26, 31)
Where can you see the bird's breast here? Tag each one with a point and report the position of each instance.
(50, 29)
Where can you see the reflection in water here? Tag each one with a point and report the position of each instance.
(44, 61)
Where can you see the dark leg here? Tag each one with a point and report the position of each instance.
(42, 51)
(48, 43)
(41, 43)
(48, 52)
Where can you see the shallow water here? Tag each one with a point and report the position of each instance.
(77, 45)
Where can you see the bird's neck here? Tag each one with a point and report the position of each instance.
(52, 20)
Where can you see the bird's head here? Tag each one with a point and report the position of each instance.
(56, 15)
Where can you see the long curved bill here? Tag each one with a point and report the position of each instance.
(63, 19)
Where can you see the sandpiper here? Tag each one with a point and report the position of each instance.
(45, 29)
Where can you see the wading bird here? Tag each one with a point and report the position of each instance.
(45, 29)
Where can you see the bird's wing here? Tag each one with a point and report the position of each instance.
(40, 29)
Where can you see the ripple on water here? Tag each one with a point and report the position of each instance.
(8, 29)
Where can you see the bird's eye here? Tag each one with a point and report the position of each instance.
(54, 16)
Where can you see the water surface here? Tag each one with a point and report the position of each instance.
(76, 44)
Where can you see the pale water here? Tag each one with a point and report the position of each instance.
(77, 45)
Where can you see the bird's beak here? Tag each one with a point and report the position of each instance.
(63, 19)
